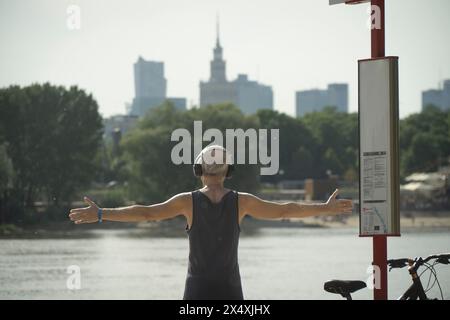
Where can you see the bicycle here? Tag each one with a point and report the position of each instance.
(414, 292)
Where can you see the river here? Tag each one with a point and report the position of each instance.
(275, 263)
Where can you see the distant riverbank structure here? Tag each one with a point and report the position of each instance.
(118, 124)
(249, 96)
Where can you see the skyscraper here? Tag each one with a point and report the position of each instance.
(150, 87)
(248, 95)
(437, 97)
(149, 80)
(336, 95)
(252, 96)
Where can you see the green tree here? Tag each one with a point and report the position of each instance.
(424, 140)
(336, 138)
(153, 176)
(296, 141)
(147, 150)
(423, 153)
(6, 180)
(302, 164)
(53, 135)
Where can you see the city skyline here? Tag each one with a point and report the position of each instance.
(291, 45)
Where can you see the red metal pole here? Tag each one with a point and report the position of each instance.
(377, 34)
(379, 242)
(380, 260)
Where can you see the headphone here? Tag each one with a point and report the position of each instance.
(198, 170)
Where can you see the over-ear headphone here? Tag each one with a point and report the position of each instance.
(197, 166)
(198, 171)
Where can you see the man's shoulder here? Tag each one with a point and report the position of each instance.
(183, 195)
(181, 199)
(245, 197)
(245, 194)
(181, 202)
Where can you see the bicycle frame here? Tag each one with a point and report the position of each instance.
(416, 289)
(414, 292)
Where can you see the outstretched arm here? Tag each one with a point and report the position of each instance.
(258, 208)
(175, 206)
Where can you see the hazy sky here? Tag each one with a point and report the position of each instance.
(288, 44)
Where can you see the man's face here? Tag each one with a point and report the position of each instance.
(214, 163)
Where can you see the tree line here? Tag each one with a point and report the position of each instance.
(52, 150)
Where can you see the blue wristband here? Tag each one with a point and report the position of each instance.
(99, 215)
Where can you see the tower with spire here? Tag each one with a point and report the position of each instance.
(248, 95)
(218, 65)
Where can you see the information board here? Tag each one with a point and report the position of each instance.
(379, 187)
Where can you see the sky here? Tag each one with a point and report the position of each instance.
(288, 44)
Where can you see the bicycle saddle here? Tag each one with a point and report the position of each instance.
(343, 287)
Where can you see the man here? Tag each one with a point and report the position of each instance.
(213, 216)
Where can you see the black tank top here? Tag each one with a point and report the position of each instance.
(213, 270)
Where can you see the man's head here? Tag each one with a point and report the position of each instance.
(213, 161)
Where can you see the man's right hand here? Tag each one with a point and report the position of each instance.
(338, 206)
(85, 215)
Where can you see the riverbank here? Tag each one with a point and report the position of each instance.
(414, 220)
(411, 221)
